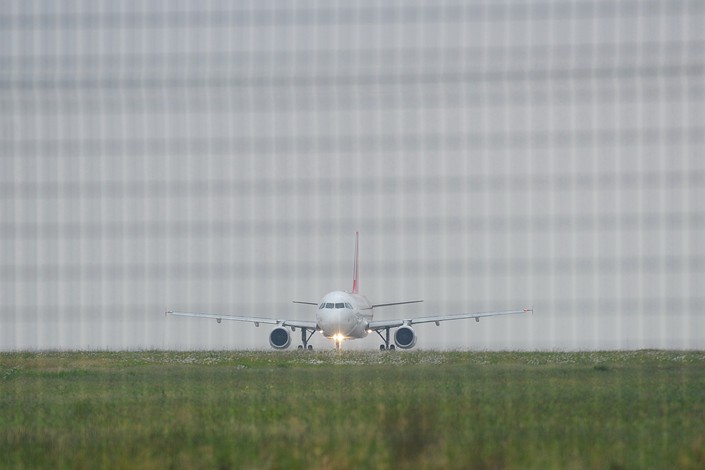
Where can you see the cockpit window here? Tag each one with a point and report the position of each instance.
(348, 306)
(329, 305)
(322, 306)
(340, 305)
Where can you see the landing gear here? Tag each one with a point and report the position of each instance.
(385, 338)
(305, 338)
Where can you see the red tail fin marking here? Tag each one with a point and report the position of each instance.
(355, 284)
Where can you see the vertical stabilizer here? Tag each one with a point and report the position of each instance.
(355, 284)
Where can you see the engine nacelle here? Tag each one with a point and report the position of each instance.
(405, 337)
(280, 338)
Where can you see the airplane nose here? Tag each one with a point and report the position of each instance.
(335, 322)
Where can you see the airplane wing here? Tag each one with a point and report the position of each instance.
(382, 324)
(311, 325)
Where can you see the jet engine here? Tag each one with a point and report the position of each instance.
(405, 337)
(280, 338)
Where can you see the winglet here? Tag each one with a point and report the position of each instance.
(355, 285)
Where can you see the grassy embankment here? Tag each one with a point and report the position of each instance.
(355, 410)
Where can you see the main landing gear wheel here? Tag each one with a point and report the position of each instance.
(305, 338)
(385, 338)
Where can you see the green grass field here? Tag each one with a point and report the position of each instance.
(415, 409)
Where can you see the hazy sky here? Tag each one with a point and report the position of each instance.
(210, 156)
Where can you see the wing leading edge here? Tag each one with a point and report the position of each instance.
(310, 325)
(383, 324)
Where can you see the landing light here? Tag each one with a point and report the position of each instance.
(338, 337)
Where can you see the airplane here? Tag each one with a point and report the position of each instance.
(348, 315)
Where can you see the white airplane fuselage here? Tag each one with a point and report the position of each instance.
(342, 315)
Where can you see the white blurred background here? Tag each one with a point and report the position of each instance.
(219, 156)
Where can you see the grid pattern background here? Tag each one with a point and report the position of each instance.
(219, 156)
